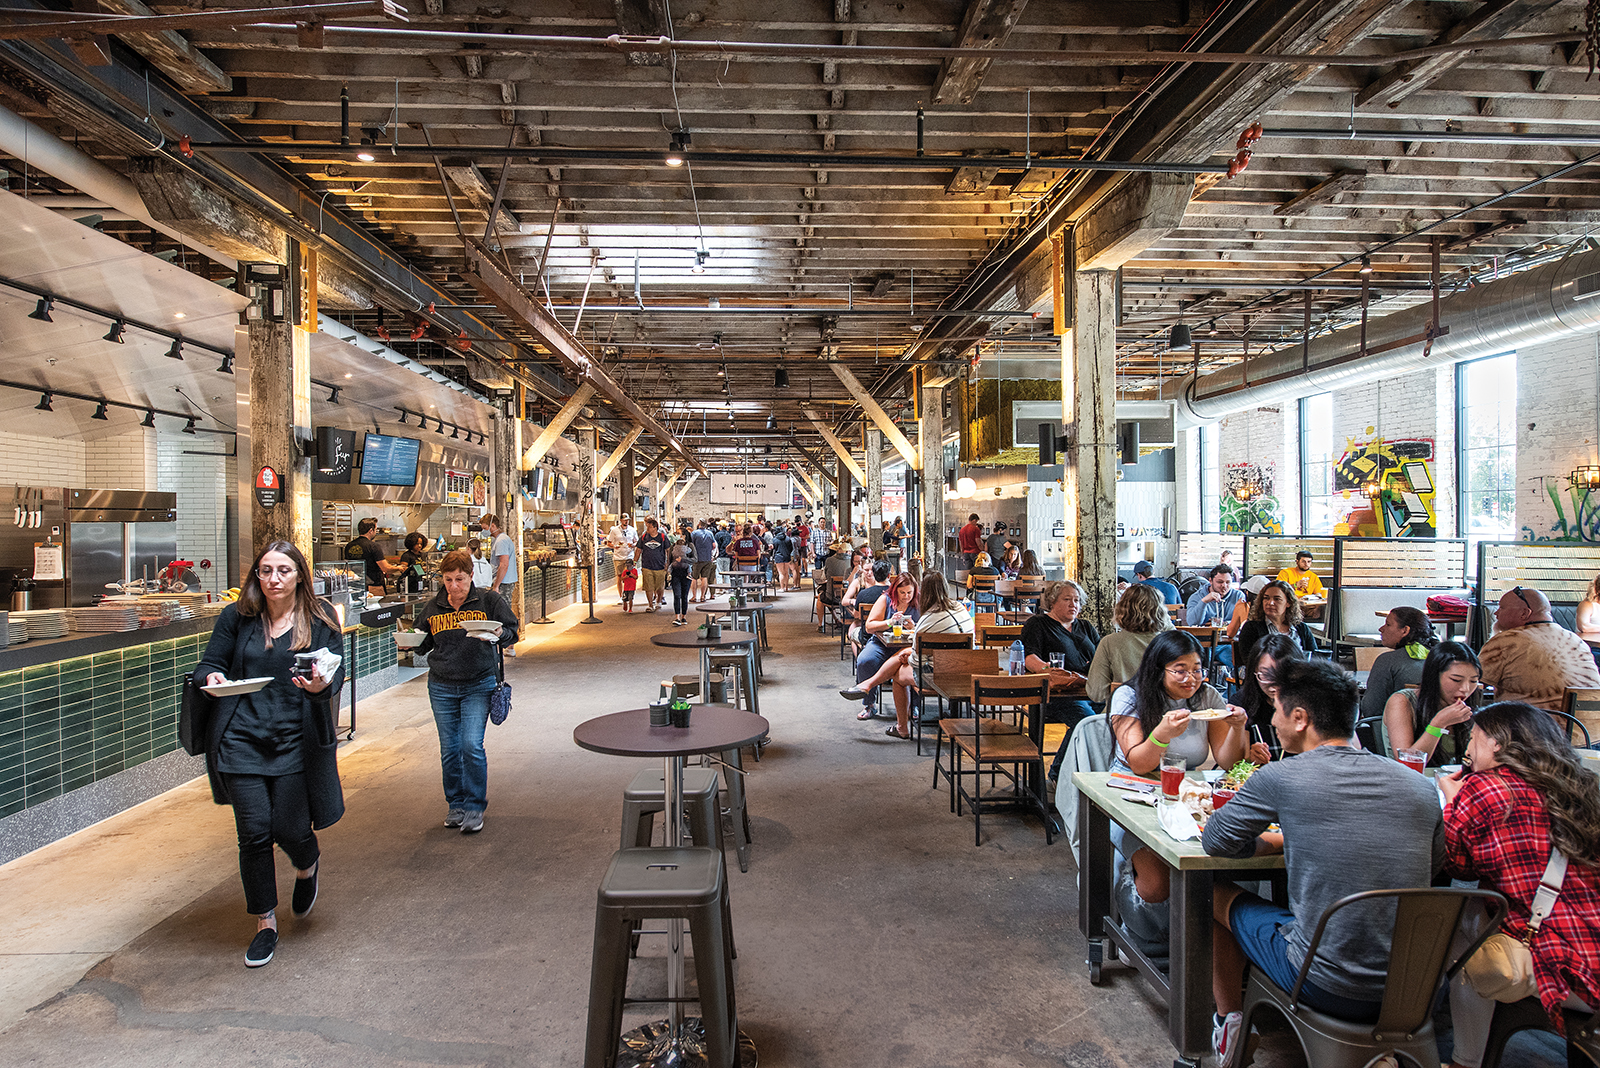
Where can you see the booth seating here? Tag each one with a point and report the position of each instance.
(1562, 572)
(1373, 575)
(1268, 554)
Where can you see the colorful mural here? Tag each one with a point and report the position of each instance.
(1263, 512)
(1404, 504)
(1583, 527)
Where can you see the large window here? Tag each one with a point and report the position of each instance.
(1210, 479)
(1486, 449)
(1319, 505)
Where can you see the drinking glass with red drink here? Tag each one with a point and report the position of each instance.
(1415, 759)
(1221, 795)
(1172, 771)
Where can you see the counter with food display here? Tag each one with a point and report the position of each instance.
(89, 721)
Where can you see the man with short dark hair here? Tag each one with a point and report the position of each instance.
(1214, 603)
(1333, 847)
(653, 563)
(1144, 571)
(362, 547)
(969, 541)
(1531, 657)
(1300, 577)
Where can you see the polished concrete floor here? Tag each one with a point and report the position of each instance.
(870, 930)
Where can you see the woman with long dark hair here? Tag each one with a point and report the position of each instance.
(1259, 690)
(1526, 794)
(271, 754)
(1408, 635)
(1432, 716)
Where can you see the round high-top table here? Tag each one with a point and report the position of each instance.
(690, 639)
(675, 1042)
(755, 608)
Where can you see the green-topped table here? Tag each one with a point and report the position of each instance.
(1187, 985)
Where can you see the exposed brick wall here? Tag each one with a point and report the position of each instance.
(1558, 384)
(1268, 437)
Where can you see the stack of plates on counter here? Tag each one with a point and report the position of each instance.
(42, 622)
(15, 633)
(115, 616)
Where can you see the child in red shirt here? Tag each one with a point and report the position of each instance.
(630, 581)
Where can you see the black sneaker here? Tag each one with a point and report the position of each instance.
(472, 823)
(305, 893)
(261, 947)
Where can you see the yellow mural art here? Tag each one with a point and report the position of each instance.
(1402, 474)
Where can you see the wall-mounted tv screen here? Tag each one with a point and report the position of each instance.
(387, 461)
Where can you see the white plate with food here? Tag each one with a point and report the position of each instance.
(233, 689)
(481, 626)
(1210, 714)
(409, 639)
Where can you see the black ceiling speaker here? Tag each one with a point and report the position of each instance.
(1128, 443)
(780, 378)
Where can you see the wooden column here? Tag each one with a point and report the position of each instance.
(280, 419)
(507, 483)
(841, 489)
(874, 488)
(626, 485)
(1090, 500)
(930, 542)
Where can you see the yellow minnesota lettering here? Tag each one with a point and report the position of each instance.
(451, 620)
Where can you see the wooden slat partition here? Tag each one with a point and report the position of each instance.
(1201, 549)
(1268, 554)
(1562, 572)
(1401, 563)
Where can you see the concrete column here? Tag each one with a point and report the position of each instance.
(1090, 500)
(874, 509)
(507, 482)
(930, 544)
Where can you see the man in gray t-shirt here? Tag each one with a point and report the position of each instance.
(1352, 820)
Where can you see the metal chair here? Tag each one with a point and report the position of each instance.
(1571, 725)
(1425, 922)
(1583, 1031)
(1584, 706)
(1011, 750)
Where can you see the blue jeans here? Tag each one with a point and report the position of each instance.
(1257, 927)
(461, 710)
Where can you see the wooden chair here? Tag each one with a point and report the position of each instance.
(981, 587)
(1207, 637)
(1367, 654)
(930, 648)
(1583, 705)
(999, 635)
(1025, 593)
(970, 662)
(1012, 750)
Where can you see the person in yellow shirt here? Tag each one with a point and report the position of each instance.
(1301, 577)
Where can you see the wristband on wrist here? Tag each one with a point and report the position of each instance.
(1437, 732)
(1153, 740)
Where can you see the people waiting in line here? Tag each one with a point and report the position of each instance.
(939, 613)
(1140, 615)
(1301, 579)
(1530, 657)
(1058, 630)
(1257, 686)
(621, 540)
(898, 604)
(271, 754)
(1276, 610)
(1432, 716)
(462, 673)
(1331, 850)
(1408, 635)
(1144, 575)
(1525, 796)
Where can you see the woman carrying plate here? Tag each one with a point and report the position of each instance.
(270, 753)
(462, 673)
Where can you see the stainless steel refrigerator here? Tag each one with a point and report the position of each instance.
(116, 536)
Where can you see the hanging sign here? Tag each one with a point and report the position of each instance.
(269, 488)
(465, 487)
(48, 564)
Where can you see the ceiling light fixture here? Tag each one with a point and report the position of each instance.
(1366, 265)
(227, 366)
(44, 403)
(149, 419)
(100, 412)
(455, 432)
(41, 311)
(403, 414)
(1179, 338)
(700, 257)
(780, 378)
(114, 335)
(1585, 477)
(176, 351)
(1211, 328)
(677, 147)
(333, 394)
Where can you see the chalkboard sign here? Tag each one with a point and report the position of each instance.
(340, 447)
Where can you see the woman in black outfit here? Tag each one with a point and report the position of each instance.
(416, 544)
(272, 754)
(1276, 610)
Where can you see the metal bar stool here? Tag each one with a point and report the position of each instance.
(732, 761)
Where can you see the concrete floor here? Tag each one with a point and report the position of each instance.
(870, 930)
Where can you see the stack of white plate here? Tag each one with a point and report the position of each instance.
(117, 616)
(15, 633)
(42, 622)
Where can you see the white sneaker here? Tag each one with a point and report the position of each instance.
(1226, 1041)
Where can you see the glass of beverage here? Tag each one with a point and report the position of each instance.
(1172, 771)
(1221, 796)
(1415, 759)
(1058, 661)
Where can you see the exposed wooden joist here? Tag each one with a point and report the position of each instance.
(557, 426)
(617, 455)
(839, 448)
(1323, 192)
(986, 24)
(1494, 20)
(876, 413)
(171, 53)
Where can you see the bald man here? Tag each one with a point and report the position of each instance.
(1532, 658)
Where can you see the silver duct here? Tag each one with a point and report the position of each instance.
(1546, 303)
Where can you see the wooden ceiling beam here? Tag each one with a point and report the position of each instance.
(986, 24)
(1489, 22)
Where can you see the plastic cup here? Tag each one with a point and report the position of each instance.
(1172, 772)
(1415, 759)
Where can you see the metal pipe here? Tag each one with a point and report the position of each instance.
(1547, 303)
(1434, 136)
(42, 149)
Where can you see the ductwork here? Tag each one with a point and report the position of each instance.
(1546, 303)
(42, 149)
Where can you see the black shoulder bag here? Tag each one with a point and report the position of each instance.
(194, 717)
(500, 699)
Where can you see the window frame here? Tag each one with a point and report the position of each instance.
(1463, 487)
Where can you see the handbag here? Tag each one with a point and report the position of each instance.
(194, 717)
(500, 697)
(1502, 968)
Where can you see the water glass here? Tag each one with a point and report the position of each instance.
(1058, 661)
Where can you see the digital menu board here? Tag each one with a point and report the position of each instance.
(387, 461)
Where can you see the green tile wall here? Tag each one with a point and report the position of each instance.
(67, 724)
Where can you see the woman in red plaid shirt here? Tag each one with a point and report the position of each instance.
(1526, 792)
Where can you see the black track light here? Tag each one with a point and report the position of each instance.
(189, 429)
(780, 378)
(44, 403)
(677, 147)
(100, 412)
(1366, 265)
(333, 394)
(114, 335)
(149, 418)
(403, 414)
(227, 366)
(772, 422)
(176, 351)
(1180, 338)
(440, 428)
(455, 432)
(41, 311)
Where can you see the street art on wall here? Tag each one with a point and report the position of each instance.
(1261, 513)
(1403, 507)
(1583, 527)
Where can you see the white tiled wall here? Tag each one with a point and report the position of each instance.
(31, 461)
(201, 483)
(126, 462)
